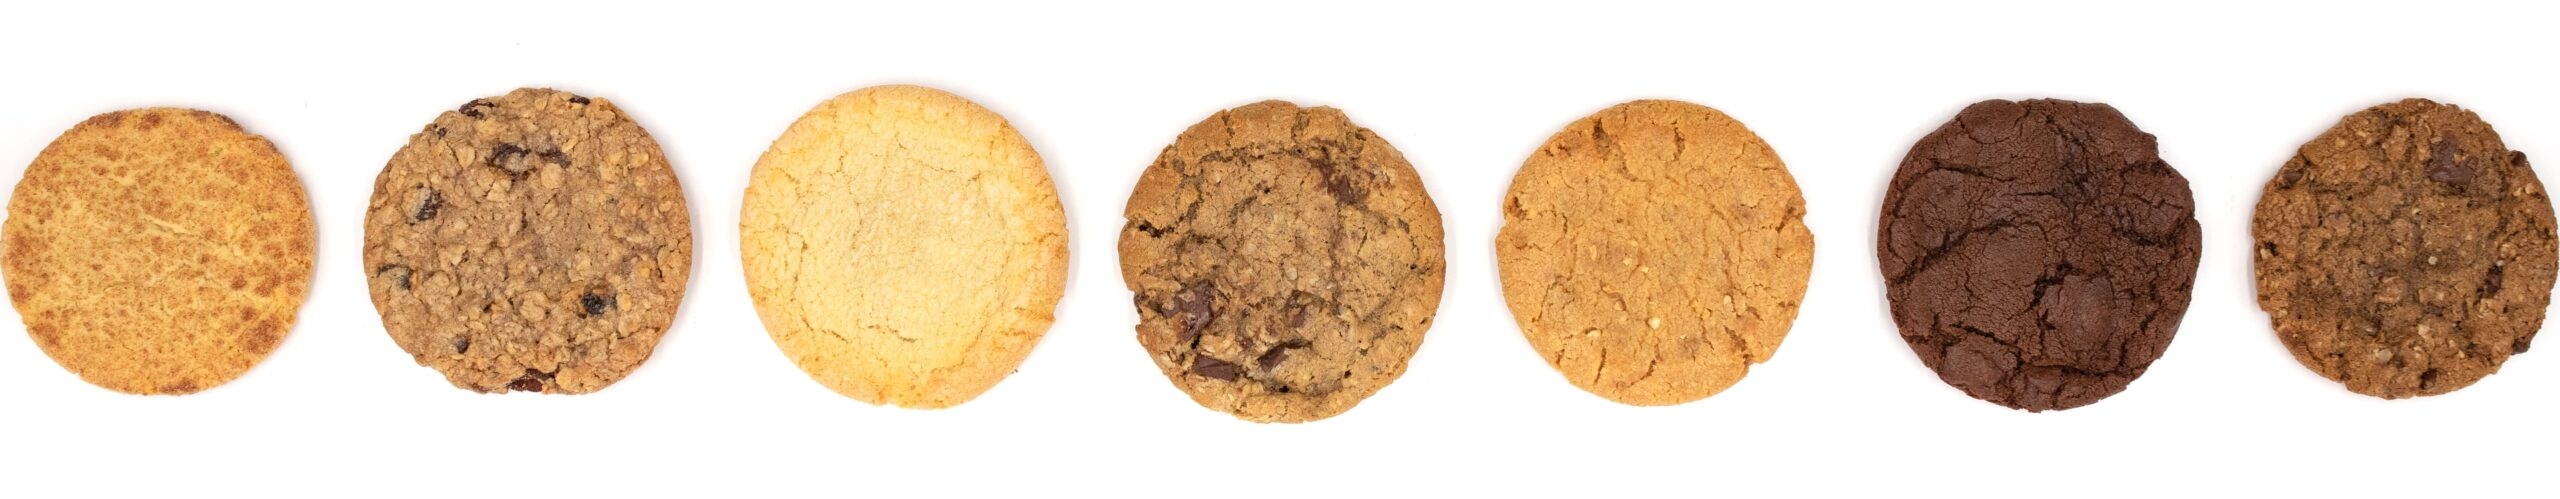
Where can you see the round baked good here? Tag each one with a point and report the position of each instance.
(1653, 251)
(904, 246)
(158, 251)
(2038, 254)
(2406, 251)
(536, 241)
(1286, 262)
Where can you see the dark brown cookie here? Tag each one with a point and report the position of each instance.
(2038, 254)
(1286, 262)
(2406, 251)
(536, 241)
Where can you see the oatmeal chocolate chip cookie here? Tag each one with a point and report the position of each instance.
(904, 246)
(532, 242)
(2406, 251)
(1286, 262)
(1654, 251)
(2038, 254)
(158, 251)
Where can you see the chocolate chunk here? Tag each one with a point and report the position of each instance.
(424, 201)
(1194, 304)
(2496, 278)
(1278, 353)
(2441, 166)
(462, 345)
(1336, 182)
(1213, 368)
(578, 99)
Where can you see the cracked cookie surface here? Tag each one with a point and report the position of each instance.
(536, 241)
(2405, 251)
(158, 251)
(1653, 251)
(904, 246)
(2039, 254)
(1285, 262)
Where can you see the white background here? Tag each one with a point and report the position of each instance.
(1465, 91)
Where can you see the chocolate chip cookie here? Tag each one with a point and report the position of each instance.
(2406, 251)
(158, 251)
(2038, 254)
(1654, 251)
(536, 241)
(904, 246)
(1286, 262)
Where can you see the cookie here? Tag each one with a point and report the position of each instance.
(1654, 251)
(2406, 251)
(536, 241)
(1285, 262)
(2038, 254)
(158, 251)
(904, 246)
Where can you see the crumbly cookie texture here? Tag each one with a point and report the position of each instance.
(158, 251)
(904, 246)
(1654, 251)
(2038, 254)
(2406, 251)
(1286, 262)
(536, 241)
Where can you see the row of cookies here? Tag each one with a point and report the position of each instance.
(905, 246)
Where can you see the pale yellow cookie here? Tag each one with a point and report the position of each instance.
(158, 251)
(904, 246)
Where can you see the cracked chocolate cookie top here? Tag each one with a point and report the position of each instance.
(904, 246)
(1654, 251)
(1286, 262)
(158, 251)
(2406, 251)
(2038, 254)
(536, 241)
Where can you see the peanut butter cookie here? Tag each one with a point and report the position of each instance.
(1654, 251)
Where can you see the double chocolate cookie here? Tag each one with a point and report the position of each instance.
(1286, 262)
(2038, 254)
(158, 251)
(2406, 251)
(1654, 251)
(536, 241)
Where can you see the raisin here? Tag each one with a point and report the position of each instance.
(477, 108)
(594, 303)
(425, 201)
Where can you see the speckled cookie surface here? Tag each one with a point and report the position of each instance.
(2406, 251)
(536, 241)
(1285, 262)
(2038, 254)
(1654, 251)
(158, 251)
(904, 246)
